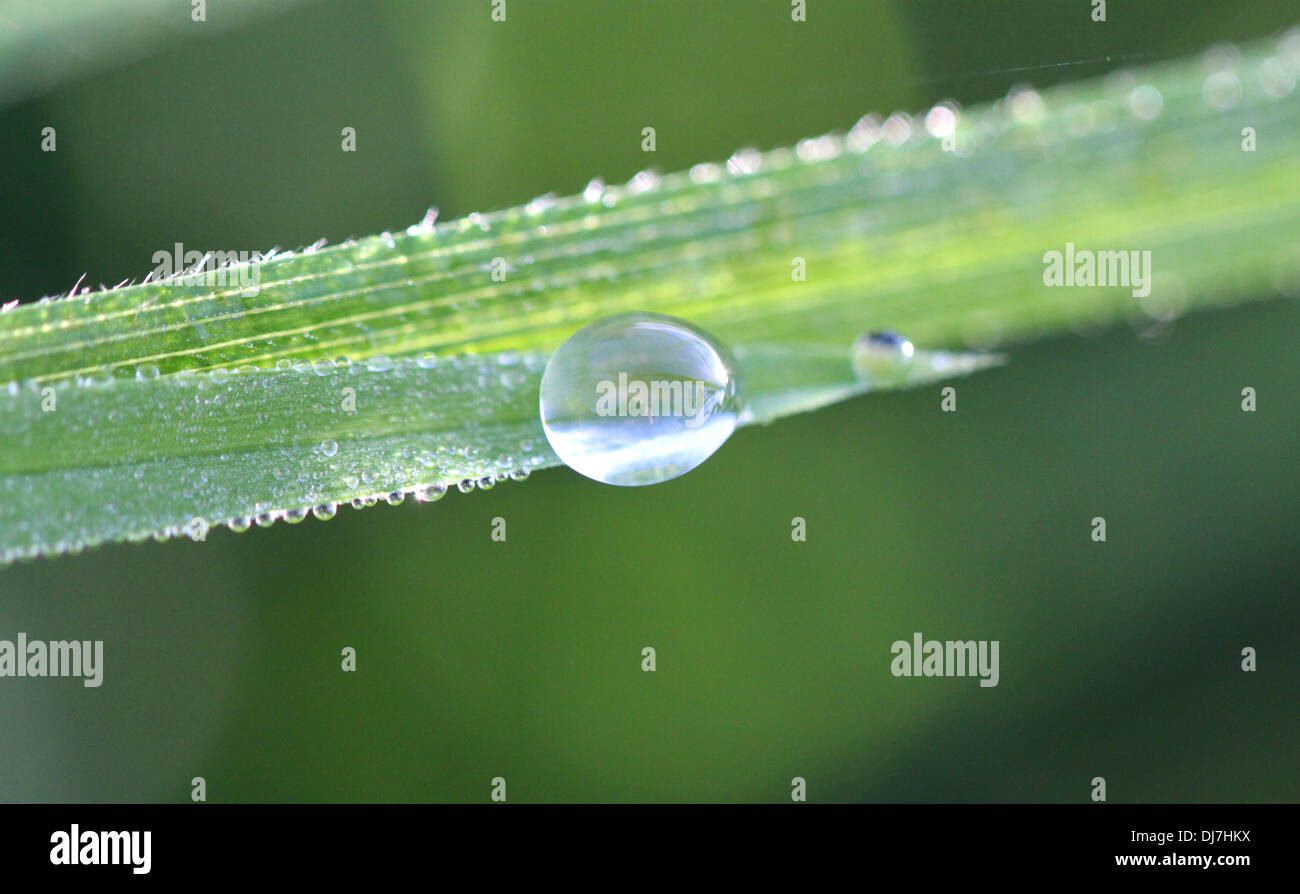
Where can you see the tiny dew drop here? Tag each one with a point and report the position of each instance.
(882, 356)
(239, 525)
(293, 516)
(395, 498)
(325, 511)
(639, 398)
(329, 448)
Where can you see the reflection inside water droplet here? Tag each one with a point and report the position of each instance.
(639, 398)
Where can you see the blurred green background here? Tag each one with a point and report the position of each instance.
(522, 659)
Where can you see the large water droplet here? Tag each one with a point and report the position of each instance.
(639, 398)
(428, 493)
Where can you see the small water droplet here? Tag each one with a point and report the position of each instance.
(1146, 102)
(1277, 77)
(1221, 90)
(706, 172)
(1221, 57)
(745, 161)
(882, 356)
(897, 128)
(239, 525)
(1025, 104)
(325, 511)
(941, 120)
(329, 447)
(644, 181)
(146, 372)
(466, 485)
(639, 398)
(265, 520)
(395, 498)
(293, 516)
(823, 148)
(864, 134)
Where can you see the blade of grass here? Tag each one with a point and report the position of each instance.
(138, 410)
